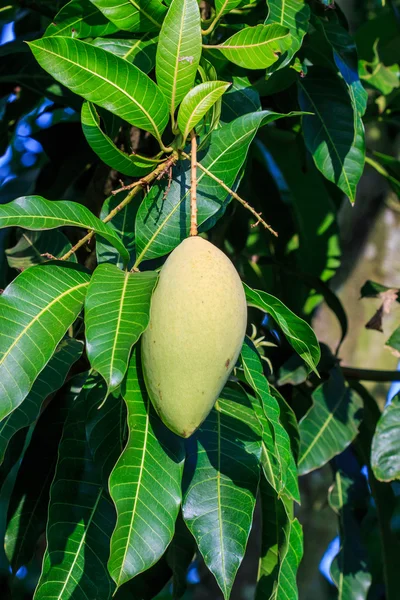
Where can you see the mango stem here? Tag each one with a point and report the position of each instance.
(193, 184)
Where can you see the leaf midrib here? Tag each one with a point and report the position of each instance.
(239, 47)
(118, 325)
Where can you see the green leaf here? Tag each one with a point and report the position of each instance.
(330, 425)
(346, 60)
(27, 511)
(107, 80)
(385, 452)
(287, 471)
(378, 75)
(224, 6)
(292, 554)
(34, 212)
(337, 147)
(163, 219)
(117, 308)
(178, 51)
(122, 224)
(298, 333)
(33, 248)
(49, 380)
(349, 570)
(394, 340)
(145, 485)
(240, 99)
(140, 51)
(134, 15)
(80, 19)
(81, 518)
(256, 47)
(221, 480)
(197, 103)
(289, 421)
(37, 308)
(293, 14)
(132, 165)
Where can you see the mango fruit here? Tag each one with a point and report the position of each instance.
(198, 320)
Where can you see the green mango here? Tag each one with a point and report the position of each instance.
(198, 321)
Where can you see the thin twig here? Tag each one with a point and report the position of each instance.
(193, 184)
(236, 196)
(143, 182)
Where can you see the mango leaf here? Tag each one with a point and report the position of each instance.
(221, 481)
(132, 165)
(123, 225)
(346, 59)
(298, 333)
(224, 6)
(197, 103)
(49, 380)
(145, 484)
(287, 471)
(107, 80)
(34, 212)
(333, 135)
(178, 51)
(293, 14)
(163, 219)
(135, 15)
(27, 511)
(349, 570)
(330, 425)
(81, 518)
(33, 248)
(385, 455)
(378, 75)
(289, 421)
(37, 308)
(256, 47)
(240, 99)
(140, 51)
(80, 19)
(117, 308)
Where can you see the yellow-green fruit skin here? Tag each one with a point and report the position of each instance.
(197, 325)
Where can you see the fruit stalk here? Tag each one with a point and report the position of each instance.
(193, 184)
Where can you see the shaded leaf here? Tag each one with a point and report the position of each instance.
(197, 103)
(49, 380)
(80, 19)
(256, 47)
(293, 14)
(32, 245)
(36, 308)
(221, 480)
(385, 450)
(107, 80)
(240, 99)
(287, 472)
(117, 308)
(135, 15)
(332, 134)
(179, 555)
(298, 333)
(178, 51)
(123, 224)
(140, 51)
(34, 212)
(145, 485)
(132, 165)
(330, 425)
(81, 518)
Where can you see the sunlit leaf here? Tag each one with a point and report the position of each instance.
(178, 51)
(80, 19)
(256, 47)
(197, 103)
(145, 484)
(117, 308)
(134, 15)
(140, 51)
(293, 14)
(36, 309)
(34, 212)
(385, 451)
(107, 80)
